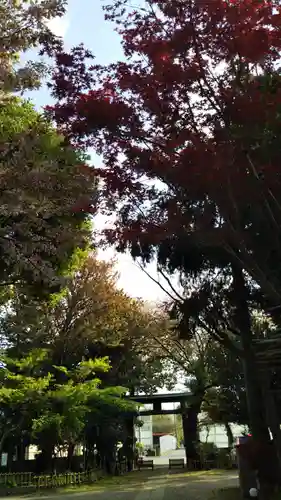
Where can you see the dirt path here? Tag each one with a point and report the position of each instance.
(157, 485)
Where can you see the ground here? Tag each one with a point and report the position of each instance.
(159, 484)
(164, 460)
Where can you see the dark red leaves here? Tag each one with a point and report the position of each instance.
(64, 59)
(187, 117)
(98, 110)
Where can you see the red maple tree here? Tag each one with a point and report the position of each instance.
(188, 127)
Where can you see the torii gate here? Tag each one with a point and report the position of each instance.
(183, 398)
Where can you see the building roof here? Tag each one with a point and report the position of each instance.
(162, 434)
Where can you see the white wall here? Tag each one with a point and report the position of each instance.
(144, 433)
(167, 443)
(217, 434)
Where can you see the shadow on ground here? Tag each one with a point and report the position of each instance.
(151, 480)
(145, 484)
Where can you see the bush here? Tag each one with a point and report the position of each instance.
(224, 458)
(208, 451)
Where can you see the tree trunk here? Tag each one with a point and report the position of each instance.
(70, 453)
(11, 454)
(253, 383)
(129, 445)
(21, 454)
(3, 438)
(255, 400)
(110, 460)
(190, 430)
(273, 420)
(229, 433)
(44, 461)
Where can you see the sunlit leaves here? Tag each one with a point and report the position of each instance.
(24, 26)
(41, 181)
(33, 400)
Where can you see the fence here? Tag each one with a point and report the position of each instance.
(16, 479)
(27, 479)
(222, 463)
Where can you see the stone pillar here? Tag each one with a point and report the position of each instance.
(157, 406)
(185, 432)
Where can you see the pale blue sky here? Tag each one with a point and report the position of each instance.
(84, 22)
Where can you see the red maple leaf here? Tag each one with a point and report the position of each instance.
(193, 115)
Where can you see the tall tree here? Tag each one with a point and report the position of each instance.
(200, 89)
(225, 403)
(217, 81)
(49, 405)
(43, 181)
(74, 397)
(22, 394)
(90, 318)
